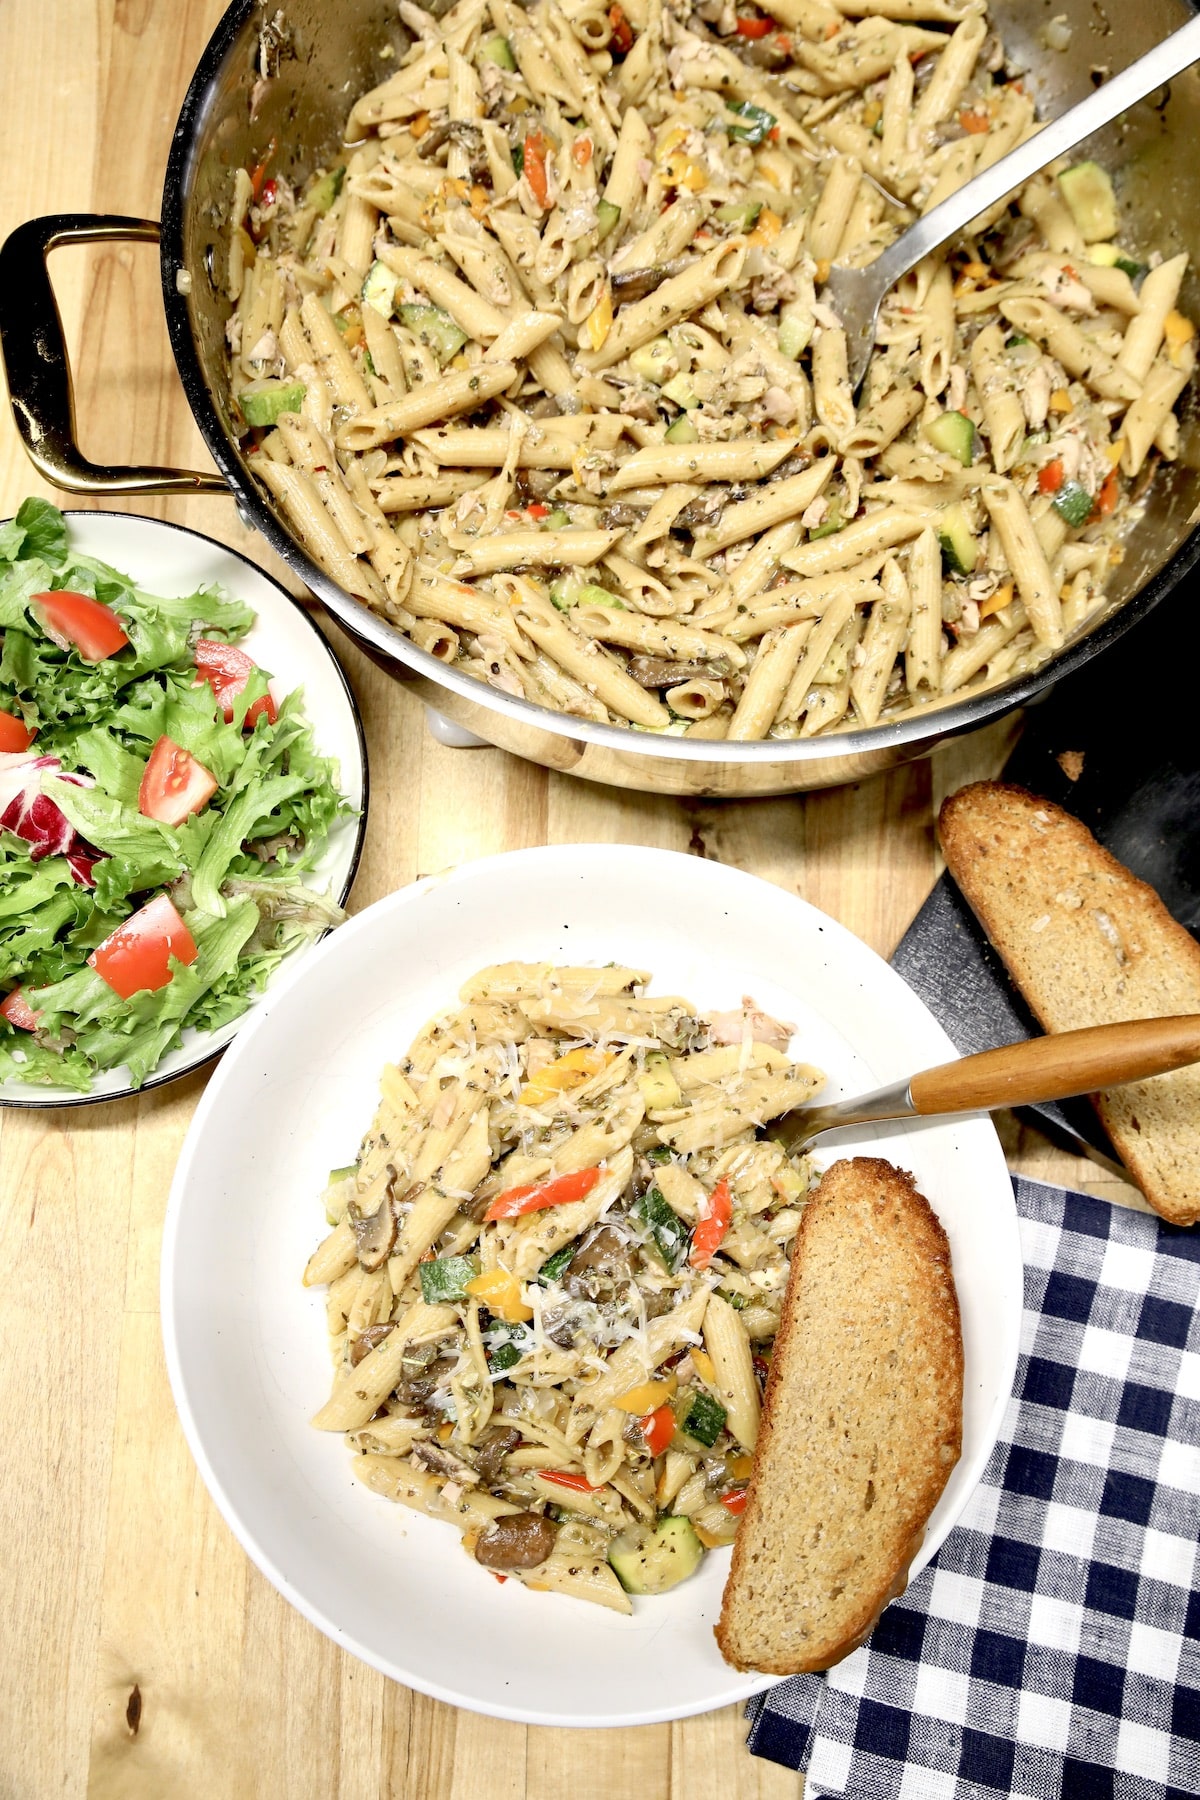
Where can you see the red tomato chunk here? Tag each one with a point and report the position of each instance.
(136, 956)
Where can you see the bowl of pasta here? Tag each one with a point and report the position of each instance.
(506, 326)
(475, 1254)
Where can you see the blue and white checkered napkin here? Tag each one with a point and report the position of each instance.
(1051, 1650)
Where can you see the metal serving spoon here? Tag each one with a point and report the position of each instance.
(855, 294)
(1045, 1068)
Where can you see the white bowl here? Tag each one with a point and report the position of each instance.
(170, 559)
(246, 1343)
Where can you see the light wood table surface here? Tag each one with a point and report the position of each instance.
(144, 1657)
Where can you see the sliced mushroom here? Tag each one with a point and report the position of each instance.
(517, 1541)
(635, 284)
(492, 1449)
(374, 1236)
(657, 672)
(368, 1340)
(444, 1462)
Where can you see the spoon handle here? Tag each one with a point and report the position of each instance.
(1160, 65)
(1065, 1062)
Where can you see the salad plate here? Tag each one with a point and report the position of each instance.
(171, 560)
(246, 1344)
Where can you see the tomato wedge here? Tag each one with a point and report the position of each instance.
(227, 670)
(708, 1233)
(558, 1191)
(136, 956)
(175, 784)
(14, 733)
(568, 1478)
(17, 1010)
(657, 1429)
(77, 622)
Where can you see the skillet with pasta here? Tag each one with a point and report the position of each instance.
(541, 370)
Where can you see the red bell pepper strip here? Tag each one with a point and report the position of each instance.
(1050, 479)
(755, 28)
(534, 167)
(1106, 499)
(560, 1190)
(568, 1478)
(622, 30)
(259, 171)
(708, 1233)
(735, 1502)
(657, 1429)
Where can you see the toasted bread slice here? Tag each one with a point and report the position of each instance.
(861, 1425)
(1087, 943)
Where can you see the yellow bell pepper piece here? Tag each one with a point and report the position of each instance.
(1115, 452)
(705, 1368)
(1060, 401)
(740, 1467)
(995, 602)
(1177, 331)
(598, 323)
(648, 1396)
(709, 1539)
(767, 229)
(570, 1071)
(501, 1294)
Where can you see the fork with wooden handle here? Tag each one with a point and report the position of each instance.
(1043, 1068)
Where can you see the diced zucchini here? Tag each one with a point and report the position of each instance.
(960, 550)
(659, 1087)
(954, 433)
(700, 1416)
(379, 289)
(654, 361)
(680, 390)
(592, 594)
(681, 432)
(608, 217)
(325, 190)
(667, 1229)
(743, 214)
(558, 520)
(1136, 271)
(756, 123)
(509, 1343)
(1014, 338)
(555, 1266)
(795, 328)
(1072, 502)
(518, 157)
(737, 1301)
(434, 328)
(1088, 192)
(652, 1564)
(564, 593)
(263, 401)
(498, 50)
(828, 526)
(446, 1278)
(338, 1191)
(659, 1154)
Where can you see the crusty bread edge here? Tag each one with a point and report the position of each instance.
(893, 1581)
(951, 831)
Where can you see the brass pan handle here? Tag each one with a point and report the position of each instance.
(39, 375)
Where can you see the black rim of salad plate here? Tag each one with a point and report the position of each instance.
(47, 1100)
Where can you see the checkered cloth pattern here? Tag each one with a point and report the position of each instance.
(1051, 1649)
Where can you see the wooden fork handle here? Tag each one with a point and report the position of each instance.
(1062, 1063)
